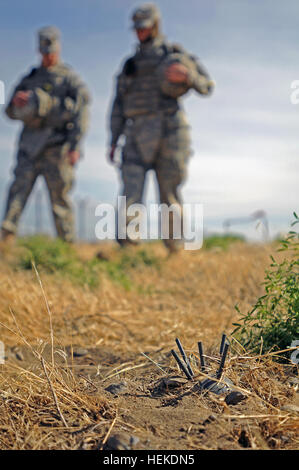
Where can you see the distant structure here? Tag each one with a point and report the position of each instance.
(259, 216)
(83, 205)
(38, 220)
(38, 211)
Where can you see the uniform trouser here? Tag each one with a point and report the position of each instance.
(168, 179)
(169, 165)
(59, 176)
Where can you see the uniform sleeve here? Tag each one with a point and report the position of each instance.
(77, 103)
(9, 110)
(117, 119)
(200, 79)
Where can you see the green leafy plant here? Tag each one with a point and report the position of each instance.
(273, 323)
(52, 255)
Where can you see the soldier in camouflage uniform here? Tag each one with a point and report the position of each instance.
(52, 104)
(151, 117)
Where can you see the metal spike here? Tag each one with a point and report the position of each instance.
(223, 339)
(181, 365)
(202, 359)
(222, 362)
(181, 349)
(184, 356)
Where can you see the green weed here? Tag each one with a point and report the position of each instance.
(140, 258)
(273, 323)
(54, 256)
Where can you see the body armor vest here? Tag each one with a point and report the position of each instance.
(140, 83)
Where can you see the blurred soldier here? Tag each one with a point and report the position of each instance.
(52, 104)
(147, 111)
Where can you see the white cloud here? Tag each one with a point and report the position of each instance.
(230, 186)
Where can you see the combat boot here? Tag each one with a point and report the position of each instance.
(126, 242)
(173, 247)
(7, 236)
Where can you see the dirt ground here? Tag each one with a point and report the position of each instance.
(92, 368)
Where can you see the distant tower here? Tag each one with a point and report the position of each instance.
(259, 216)
(82, 208)
(38, 211)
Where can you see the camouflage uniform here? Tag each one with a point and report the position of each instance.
(55, 127)
(154, 124)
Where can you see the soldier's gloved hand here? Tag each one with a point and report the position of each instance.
(73, 157)
(177, 73)
(21, 98)
(210, 86)
(111, 153)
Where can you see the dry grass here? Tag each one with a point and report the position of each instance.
(31, 418)
(191, 296)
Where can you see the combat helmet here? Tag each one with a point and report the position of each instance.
(39, 105)
(49, 40)
(145, 16)
(175, 90)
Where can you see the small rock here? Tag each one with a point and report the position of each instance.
(233, 398)
(14, 353)
(166, 383)
(102, 256)
(80, 352)
(173, 382)
(121, 441)
(273, 443)
(117, 389)
(210, 419)
(19, 356)
(294, 382)
(290, 408)
(244, 439)
(213, 386)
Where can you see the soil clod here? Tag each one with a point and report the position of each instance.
(233, 398)
(121, 441)
(80, 352)
(117, 388)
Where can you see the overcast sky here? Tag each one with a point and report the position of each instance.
(245, 136)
